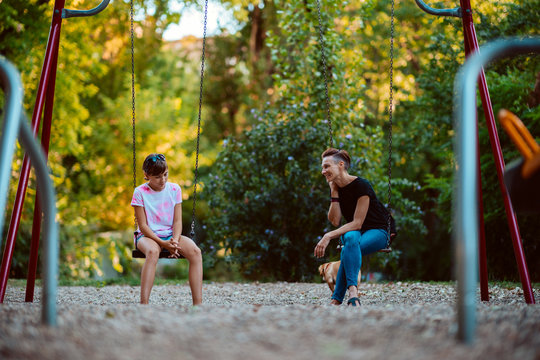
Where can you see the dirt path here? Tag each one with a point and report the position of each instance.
(267, 321)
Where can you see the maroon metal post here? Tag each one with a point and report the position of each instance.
(472, 45)
(45, 141)
(49, 62)
(482, 256)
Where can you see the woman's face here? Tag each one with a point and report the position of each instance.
(157, 182)
(331, 168)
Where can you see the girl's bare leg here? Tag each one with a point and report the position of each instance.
(192, 253)
(151, 249)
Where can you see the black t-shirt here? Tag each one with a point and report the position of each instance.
(377, 215)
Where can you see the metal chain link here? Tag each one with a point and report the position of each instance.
(390, 113)
(133, 103)
(192, 233)
(323, 58)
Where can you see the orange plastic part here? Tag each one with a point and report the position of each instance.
(522, 138)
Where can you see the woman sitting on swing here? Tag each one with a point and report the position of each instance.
(367, 222)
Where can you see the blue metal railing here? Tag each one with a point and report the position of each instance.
(15, 121)
(465, 211)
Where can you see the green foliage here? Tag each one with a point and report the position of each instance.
(268, 198)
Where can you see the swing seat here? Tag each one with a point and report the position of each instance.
(389, 248)
(164, 254)
(524, 192)
(522, 176)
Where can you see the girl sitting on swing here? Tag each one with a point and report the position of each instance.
(158, 209)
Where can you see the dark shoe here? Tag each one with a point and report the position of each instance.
(353, 302)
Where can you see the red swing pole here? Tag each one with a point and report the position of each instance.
(45, 96)
(47, 72)
(482, 253)
(471, 44)
(45, 141)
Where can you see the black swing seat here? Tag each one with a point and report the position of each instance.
(522, 176)
(164, 254)
(389, 248)
(524, 192)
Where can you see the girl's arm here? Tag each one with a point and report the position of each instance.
(177, 223)
(140, 214)
(362, 206)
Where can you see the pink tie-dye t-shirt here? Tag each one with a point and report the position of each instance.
(159, 206)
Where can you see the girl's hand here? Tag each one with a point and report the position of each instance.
(321, 246)
(173, 247)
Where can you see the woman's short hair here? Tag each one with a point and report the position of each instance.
(338, 155)
(155, 164)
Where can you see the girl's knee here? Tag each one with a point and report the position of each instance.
(193, 253)
(152, 254)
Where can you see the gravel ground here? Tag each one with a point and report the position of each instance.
(267, 321)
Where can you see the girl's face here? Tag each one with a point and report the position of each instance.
(157, 182)
(331, 168)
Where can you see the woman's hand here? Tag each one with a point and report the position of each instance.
(333, 187)
(321, 246)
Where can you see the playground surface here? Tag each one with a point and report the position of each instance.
(267, 321)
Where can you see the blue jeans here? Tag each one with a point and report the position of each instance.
(356, 244)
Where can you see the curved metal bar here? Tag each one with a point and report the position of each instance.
(465, 213)
(13, 94)
(66, 13)
(438, 12)
(13, 88)
(47, 197)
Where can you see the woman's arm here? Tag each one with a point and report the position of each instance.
(362, 206)
(334, 213)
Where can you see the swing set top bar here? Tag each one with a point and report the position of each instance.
(439, 12)
(67, 13)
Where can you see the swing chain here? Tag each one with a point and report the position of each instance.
(133, 103)
(323, 59)
(192, 233)
(390, 109)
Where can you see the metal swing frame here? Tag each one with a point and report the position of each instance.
(43, 107)
(464, 12)
(466, 208)
(44, 196)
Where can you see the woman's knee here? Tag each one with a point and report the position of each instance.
(350, 238)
